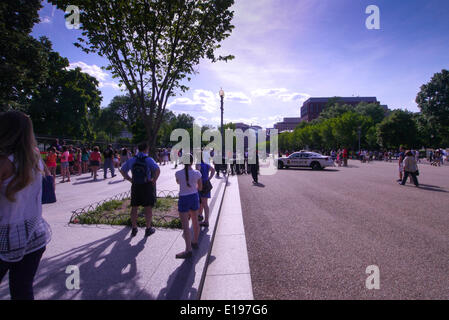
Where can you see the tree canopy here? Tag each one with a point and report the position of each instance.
(22, 58)
(153, 46)
(433, 100)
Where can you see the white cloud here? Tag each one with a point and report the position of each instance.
(96, 72)
(93, 70)
(203, 100)
(268, 92)
(294, 96)
(282, 94)
(239, 97)
(46, 19)
(113, 85)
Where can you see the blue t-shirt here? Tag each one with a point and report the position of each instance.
(152, 165)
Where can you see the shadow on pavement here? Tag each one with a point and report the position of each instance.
(111, 274)
(309, 169)
(259, 185)
(115, 182)
(181, 281)
(427, 188)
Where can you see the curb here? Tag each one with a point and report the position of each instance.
(203, 276)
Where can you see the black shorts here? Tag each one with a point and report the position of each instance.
(143, 195)
(94, 163)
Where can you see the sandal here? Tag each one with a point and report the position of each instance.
(184, 255)
(204, 224)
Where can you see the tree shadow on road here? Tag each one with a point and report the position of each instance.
(104, 274)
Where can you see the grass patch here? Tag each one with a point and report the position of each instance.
(117, 212)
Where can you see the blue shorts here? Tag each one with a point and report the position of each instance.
(188, 203)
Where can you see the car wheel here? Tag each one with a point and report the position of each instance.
(280, 165)
(315, 166)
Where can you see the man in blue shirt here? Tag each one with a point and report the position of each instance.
(145, 173)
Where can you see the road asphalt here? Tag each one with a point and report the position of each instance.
(312, 234)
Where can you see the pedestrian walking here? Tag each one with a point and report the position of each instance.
(190, 183)
(65, 171)
(400, 162)
(24, 233)
(410, 168)
(124, 156)
(108, 155)
(85, 160)
(51, 162)
(145, 173)
(95, 159)
(254, 167)
(207, 173)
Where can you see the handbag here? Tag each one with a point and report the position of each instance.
(48, 190)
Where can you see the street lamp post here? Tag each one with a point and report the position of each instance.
(222, 127)
(359, 131)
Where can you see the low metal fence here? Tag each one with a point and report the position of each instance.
(114, 218)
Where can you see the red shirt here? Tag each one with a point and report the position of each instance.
(65, 157)
(95, 156)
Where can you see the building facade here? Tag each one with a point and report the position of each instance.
(312, 108)
(289, 124)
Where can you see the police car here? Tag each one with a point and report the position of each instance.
(306, 159)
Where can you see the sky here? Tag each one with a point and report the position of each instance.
(289, 50)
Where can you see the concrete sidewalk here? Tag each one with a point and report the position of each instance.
(111, 264)
(228, 274)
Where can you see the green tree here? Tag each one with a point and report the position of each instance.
(398, 129)
(336, 111)
(153, 44)
(372, 110)
(433, 100)
(23, 62)
(66, 102)
(345, 129)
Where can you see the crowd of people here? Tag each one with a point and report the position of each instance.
(77, 160)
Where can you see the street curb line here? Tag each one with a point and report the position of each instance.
(206, 266)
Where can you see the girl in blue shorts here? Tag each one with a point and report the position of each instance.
(189, 181)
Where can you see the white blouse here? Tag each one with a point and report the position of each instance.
(22, 227)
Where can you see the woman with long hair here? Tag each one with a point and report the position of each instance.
(189, 181)
(24, 234)
(207, 173)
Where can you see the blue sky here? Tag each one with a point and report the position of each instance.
(289, 50)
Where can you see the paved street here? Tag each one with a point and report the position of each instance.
(312, 234)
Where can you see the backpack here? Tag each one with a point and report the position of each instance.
(139, 171)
